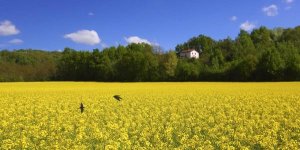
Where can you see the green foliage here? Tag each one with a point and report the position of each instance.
(243, 70)
(187, 70)
(290, 55)
(201, 44)
(262, 36)
(272, 65)
(262, 55)
(244, 45)
(169, 63)
(28, 65)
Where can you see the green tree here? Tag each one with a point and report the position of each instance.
(262, 37)
(169, 64)
(290, 55)
(138, 64)
(228, 49)
(201, 44)
(244, 70)
(244, 45)
(271, 65)
(217, 59)
(187, 70)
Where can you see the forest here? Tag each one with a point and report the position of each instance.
(261, 55)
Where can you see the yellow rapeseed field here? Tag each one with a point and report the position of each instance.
(46, 115)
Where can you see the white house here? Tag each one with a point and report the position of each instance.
(191, 53)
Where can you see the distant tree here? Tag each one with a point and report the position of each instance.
(169, 64)
(262, 55)
(228, 49)
(105, 70)
(244, 45)
(291, 35)
(201, 44)
(261, 36)
(216, 59)
(187, 70)
(277, 33)
(290, 55)
(271, 65)
(28, 65)
(67, 66)
(244, 70)
(138, 64)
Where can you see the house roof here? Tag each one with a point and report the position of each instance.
(187, 51)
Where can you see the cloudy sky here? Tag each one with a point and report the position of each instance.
(89, 24)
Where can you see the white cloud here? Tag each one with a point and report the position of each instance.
(289, 4)
(155, 44)
(247, 26)
(271, 10)
(137, 40)
(7, 28)
(104, 45)
(288, 1)
(88, 37)
(91, 14)
(233, 18)
(16, 41)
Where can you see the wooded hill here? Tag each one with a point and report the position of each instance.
(262, 55)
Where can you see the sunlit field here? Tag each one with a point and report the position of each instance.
(150, 115)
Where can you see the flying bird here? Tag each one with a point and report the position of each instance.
(118, 97)
(81, 107)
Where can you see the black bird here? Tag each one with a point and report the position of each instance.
(118, 97)
(81, 108)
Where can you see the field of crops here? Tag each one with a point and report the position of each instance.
(150, 115)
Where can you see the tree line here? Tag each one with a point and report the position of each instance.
(28, 65)
(262, 55)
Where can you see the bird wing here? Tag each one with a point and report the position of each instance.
(117, 97)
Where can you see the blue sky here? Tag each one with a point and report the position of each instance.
(89, 24)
